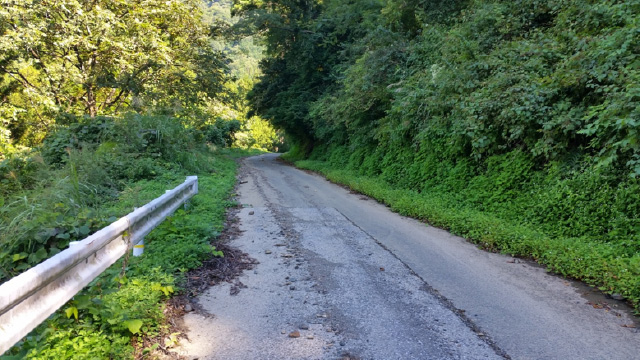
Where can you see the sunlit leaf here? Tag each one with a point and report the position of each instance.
(133, 325)
(71, 311)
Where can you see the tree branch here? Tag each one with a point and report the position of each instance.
(111, 103)
(22, 79)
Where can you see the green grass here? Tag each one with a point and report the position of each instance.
(602, 264)
(110, 317)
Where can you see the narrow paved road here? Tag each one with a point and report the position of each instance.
(355, 280)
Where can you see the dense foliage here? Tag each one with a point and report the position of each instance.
(57, 195)
(103, 106)
(100, 58)
(244, 49)
(66, 59)
(525, 112)
(112, 317)
(96, 96)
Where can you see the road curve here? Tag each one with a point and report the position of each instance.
(358, 281)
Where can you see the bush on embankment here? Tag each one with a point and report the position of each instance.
(85, 176)
(582, 226)
(56, 193)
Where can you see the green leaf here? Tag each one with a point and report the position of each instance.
(217, 253)
(20, 256)
(64, 236)
(23, 266)
(133, 325)
(38, 256)
(41, 254)
(84, 230)
(53, 250)
(82, 301)
(71, 310)
(42, 236)
(150, 348)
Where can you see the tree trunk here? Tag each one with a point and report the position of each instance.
(91, 102)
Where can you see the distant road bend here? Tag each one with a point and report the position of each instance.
(341, 276)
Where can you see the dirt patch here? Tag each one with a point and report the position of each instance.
(160, 346)
(217, 270)
(221, 269)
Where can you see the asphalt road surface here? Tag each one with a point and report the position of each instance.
(341, 276)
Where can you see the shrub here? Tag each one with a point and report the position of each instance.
(581, 224)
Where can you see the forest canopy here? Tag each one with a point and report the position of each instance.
(60, 60)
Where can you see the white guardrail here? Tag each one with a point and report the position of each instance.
(29, 298)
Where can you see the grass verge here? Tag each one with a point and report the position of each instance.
(597, 264)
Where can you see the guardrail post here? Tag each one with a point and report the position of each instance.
(195, 183)
(138, 248)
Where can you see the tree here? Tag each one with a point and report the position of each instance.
(245, 50)
(101, 57)
(308, 45)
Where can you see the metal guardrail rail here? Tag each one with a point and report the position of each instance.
(31, 297)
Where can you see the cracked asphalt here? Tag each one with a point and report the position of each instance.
(342, 277)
